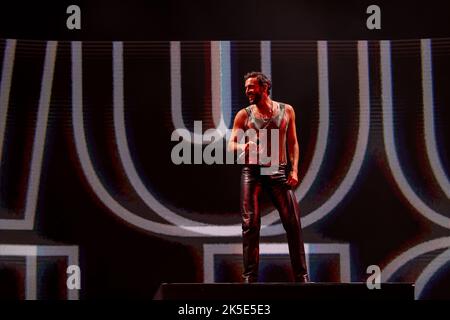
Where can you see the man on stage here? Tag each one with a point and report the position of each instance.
(263, 116)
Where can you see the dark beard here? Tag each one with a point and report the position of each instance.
(256, 99)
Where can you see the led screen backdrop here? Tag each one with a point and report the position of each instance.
(88, 131)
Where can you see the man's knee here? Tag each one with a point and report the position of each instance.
(250, 223)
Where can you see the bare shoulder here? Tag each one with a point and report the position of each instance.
(240, 118)
(290, 110)
(242, 114)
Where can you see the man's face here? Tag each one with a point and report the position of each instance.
(253, 90)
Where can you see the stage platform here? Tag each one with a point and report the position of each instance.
(283, 291)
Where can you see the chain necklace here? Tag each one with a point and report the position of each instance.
(271, 113)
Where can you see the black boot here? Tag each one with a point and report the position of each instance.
(302, 279)
(249, 279)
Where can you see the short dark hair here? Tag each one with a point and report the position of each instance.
(261, 77)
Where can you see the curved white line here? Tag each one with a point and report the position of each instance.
(130, 169)
(430, 271)
(324, 122)
(267, 229)
(268, 219)
(319, 148)
(197, 227)
(411, 254)
(389, 141)
(360, 151)
(428, 113)
(221, 91)
(154, 204)
(362, 139)
(125, 155)
(88, 168)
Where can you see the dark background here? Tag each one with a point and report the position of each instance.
(231, 20)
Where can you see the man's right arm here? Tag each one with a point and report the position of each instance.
(239, 124)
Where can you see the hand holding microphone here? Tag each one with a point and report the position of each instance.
(253, 149)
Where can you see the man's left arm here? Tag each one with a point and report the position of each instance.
(293, 148)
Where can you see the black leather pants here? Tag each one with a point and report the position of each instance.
(283, 198)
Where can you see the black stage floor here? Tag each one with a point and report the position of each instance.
(283, 291)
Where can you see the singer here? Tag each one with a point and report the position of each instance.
(263, 115)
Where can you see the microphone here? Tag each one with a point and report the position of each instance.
(244, 152)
